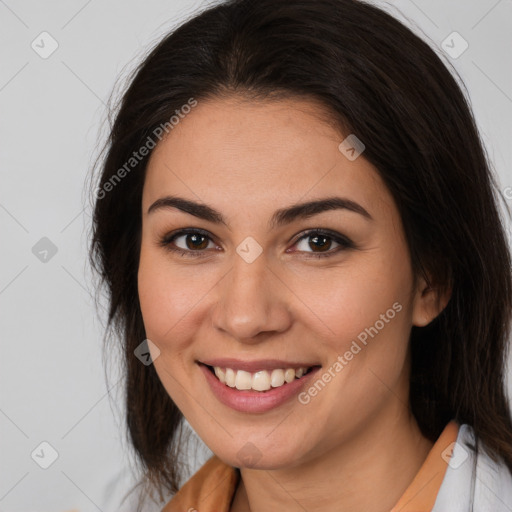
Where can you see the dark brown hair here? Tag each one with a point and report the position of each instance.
(386, 85)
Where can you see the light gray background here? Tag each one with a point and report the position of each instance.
(51, 376)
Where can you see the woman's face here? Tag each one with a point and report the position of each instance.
(254, 291)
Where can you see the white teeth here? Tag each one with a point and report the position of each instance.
(289, 375)
(243, 380)
(221, 374)
(230, 377)
(277, 378)
(261, 381)
(258, 381)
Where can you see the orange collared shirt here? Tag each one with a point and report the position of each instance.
(212, 487)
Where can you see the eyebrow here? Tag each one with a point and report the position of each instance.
(279, 218)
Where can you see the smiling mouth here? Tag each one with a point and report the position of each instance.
(262, 380)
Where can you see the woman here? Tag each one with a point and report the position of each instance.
(297, 225)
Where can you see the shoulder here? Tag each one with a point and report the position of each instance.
(473, 481)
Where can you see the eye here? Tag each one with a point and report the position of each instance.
(321, 240)
(194, 242)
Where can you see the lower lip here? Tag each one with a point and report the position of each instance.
(255, 401)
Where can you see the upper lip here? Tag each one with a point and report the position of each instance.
(254, 366)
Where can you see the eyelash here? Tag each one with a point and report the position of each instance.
(344, 242)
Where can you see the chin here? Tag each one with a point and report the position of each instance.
(252, 457)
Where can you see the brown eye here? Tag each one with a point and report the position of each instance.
(318, 243)
(187, 242)
(194, 241)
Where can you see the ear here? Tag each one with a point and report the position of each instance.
(429, 302)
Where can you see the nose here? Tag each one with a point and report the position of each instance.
(251, 300)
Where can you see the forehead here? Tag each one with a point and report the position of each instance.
(231, 152)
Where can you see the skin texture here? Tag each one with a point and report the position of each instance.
(355, 446)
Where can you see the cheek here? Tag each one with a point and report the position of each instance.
(347, 301)
(167, 299)
(167, 295)
(362, 315)
(153, 287)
